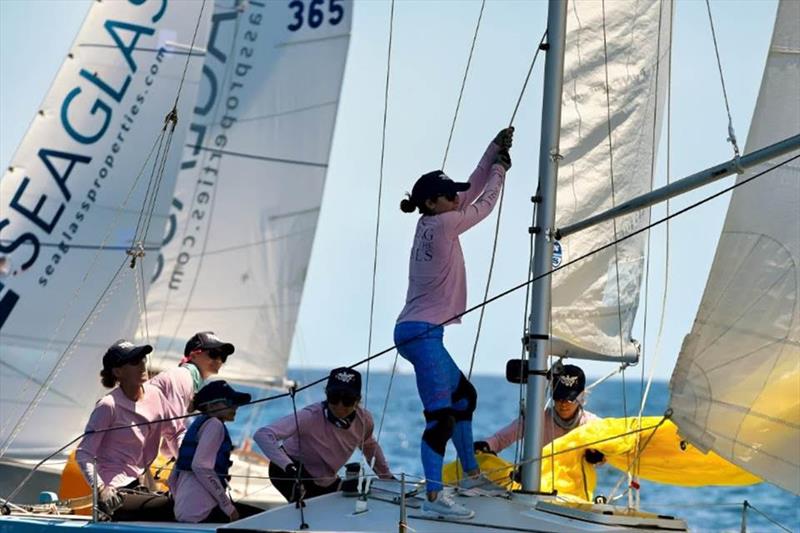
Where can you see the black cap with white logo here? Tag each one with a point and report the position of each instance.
(569, 383)
(344, 380)
(123, 352)
(206, 340)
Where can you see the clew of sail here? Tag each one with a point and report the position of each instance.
(70, 204)
(245, 210)
(619, 47)
(736, 385)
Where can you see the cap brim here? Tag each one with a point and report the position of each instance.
(343, 389)
(137, 352)
(225, 348)
(570, 395)
(241, 398)
(461, 186)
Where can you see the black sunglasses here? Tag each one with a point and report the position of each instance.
(218, 355)
(347, 400)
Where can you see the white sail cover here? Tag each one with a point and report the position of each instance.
(595, 301)
(736, 385)
(65, 193)
(245, 210)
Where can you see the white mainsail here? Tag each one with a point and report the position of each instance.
(248, 196)
(595, 301)
(736, 385)
(64, 195)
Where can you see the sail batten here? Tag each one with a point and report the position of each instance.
(736, 385)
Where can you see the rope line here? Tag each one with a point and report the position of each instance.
(475, 307)
(463, 82)
(731, 133)
(528, 77)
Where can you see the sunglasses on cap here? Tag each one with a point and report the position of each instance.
(346, 400)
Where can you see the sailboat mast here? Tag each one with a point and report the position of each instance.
(539, 320)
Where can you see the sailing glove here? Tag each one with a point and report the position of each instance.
(505, 138)
(503, 159)
(594, 457)
(109, 500)
(483, 447)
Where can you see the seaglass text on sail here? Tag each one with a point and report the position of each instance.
(35, 208)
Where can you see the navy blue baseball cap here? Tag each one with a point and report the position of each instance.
(569, 383)
(219, 390)
(123, 352)
(434, 184)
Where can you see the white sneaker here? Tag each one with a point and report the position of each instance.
(471, 486)
(444, 507)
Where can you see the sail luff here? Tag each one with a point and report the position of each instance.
(736, 385)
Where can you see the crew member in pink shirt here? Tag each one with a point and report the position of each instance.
(437, 296)
(200, 479)
(204, 355)
(123, 455)
(306, 452)
(562, 416)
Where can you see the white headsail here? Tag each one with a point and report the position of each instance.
(736, 385)
(245, 210)
(595, 301)
(72, 187)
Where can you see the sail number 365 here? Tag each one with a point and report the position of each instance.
(315, 16)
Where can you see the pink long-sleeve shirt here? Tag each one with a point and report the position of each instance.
(197, 491)
(322, 447)
(124, 454)
(178, 387)
(550, 430)
(437, 278)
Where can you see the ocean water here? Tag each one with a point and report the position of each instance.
(704, 508)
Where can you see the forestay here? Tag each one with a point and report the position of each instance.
(595, 300)
(245, 211)
(65, 193)
(736, 385)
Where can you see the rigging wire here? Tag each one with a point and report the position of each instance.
(206, 156)
(380, 195)
(473, 308)
(644, 390)
(731, 132)
(463, 83)
(499, 213)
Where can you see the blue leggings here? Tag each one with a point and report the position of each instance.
(447, 396)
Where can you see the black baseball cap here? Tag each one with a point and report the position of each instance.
(344, 381)
(206, 340)
(569, 383)
(123, 352)
(434, 184)
(219, 390)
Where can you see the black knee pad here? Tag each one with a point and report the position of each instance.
(465, 391)
(437, 435)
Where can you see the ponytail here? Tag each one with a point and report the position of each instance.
(107, 378)
(407, 205)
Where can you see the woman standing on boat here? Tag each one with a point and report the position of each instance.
(123, 456)
(200, 479)
(437, 296)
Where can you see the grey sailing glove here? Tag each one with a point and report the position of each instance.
(503, 158)
(505, 138)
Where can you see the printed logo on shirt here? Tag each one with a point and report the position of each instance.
(423, 244)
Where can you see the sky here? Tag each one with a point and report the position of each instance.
(431, 42)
